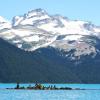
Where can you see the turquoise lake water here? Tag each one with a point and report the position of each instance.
(51, 94)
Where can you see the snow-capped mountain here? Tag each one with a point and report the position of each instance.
(43, 48)
(37, 29)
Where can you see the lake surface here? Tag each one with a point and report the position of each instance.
(51, 94)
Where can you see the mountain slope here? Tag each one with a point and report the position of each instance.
(44, 65)
(18, 65)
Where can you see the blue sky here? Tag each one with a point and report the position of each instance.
(87, 10)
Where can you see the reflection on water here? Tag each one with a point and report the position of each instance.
(49, 95)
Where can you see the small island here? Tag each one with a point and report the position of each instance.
(39, 86)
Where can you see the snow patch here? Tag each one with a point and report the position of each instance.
(34, 38)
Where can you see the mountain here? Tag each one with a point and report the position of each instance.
(38, 47)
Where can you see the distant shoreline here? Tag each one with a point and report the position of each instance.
(38, 86)
(47, 86)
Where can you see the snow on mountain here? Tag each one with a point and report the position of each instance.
(2, 19)
(31, 17)
(16, 20)
(4, 23)
(37, 29)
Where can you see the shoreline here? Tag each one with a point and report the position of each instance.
(40, 86)
(50, 89)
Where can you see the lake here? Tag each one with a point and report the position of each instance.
(51, 94)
